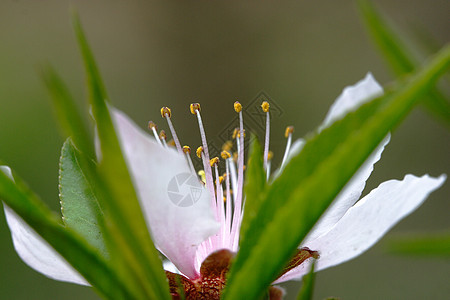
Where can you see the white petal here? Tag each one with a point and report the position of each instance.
(35, 251)
(351, 98)
(157, 172)
(348, 196)
(169, 266)
(368, 220)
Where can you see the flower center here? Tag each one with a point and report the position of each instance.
(213, 275)
(226, 190)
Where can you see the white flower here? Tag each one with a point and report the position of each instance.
(187, 234)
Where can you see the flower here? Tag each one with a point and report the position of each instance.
(199, 232)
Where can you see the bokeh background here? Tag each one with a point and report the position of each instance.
(170, 53)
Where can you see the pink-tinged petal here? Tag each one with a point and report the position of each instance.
(348, 196)
(352, 97)
(35, 251)
(176, 206)
(368, 220)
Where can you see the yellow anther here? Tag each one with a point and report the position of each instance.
(224, 199)
(270, 155)
(244, 167)
(239, 133)
(265, 106)
(152, 125)
(289, 130)
(194, 108)
(227, 146)
(214, 161)
(171, 143)
(224, 175)
(235, 133)
(225, 154)
(186, 149)
(162, 135)
(202, 175)
(166, 112)
(237, 106)
(199, 151)
(235, 156)
(220, 180)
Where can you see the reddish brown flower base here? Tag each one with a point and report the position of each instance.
(213, 272)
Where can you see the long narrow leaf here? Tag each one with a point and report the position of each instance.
(254, 185)
(307, 289)
(398, 56)
(437, 245)
(69, 244)
(66, 111)
(123, 206)
(309, 183)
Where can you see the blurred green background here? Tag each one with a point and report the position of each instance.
(171, 53)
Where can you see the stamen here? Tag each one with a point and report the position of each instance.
(225, 154)
(219, 203)
(269, 164)
(233, 175)
(269, 156)
(171, 143)
(195, 109)
(167, 113)
(162, 137)
(265, 107)
(235, 133)
(152, 126)
(228, 205)
(288, 135)
(289, 130)
(227, 146)
(214, 161)
(240, 180)
(186, 149)
(208, 179)
(199, 152)
(201, 173)
(187, 152)
(237, 106)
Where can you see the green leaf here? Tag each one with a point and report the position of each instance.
(432, 244)
(255, 183)
(67, 242)
(307, 289)
(309, 183)
(121, 204)
(67, 112)
(79, 206)
(399, 57)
